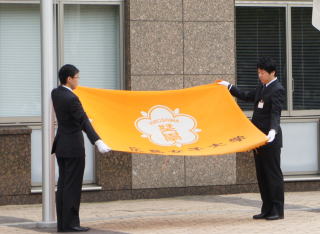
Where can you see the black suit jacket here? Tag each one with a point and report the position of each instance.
(268, 117)
(72, 120)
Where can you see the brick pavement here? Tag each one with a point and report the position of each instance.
(191, 214)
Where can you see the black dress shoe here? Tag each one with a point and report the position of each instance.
(75, 229)
(274, 217)
(260, 216)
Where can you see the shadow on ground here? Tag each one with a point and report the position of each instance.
(246, 202)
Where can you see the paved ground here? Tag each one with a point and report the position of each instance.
(191, 214)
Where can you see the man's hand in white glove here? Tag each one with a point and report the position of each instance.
(102, 147)
(271, 135)
(224, 83)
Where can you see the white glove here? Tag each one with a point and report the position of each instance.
(271, 135)
(224, 83)
(102, 147)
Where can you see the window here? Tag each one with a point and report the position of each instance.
(36, 160)
(284, 31)
(305, 60)
(20, 64)
(300, 156)
(260, 31)
(278, 32)
(91, 43)
(91, 38)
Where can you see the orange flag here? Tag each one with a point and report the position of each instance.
(203, 120)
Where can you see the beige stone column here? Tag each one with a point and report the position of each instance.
(176, 44)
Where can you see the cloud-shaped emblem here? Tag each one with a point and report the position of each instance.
(165, 127)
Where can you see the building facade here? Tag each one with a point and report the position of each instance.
(158, 45)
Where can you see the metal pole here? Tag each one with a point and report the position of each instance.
(48, 166)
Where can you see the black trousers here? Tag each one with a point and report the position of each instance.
(270, 179)
(68, 194)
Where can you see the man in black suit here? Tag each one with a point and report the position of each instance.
(68, 146)
(268, 99)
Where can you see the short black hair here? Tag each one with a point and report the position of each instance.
(268, 64)
(66, 71)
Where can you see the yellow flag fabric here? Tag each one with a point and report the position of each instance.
(198, 121)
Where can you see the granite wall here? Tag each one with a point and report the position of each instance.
(176, 44)
(15, 162)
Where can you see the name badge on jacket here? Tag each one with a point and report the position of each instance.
(260, 104)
